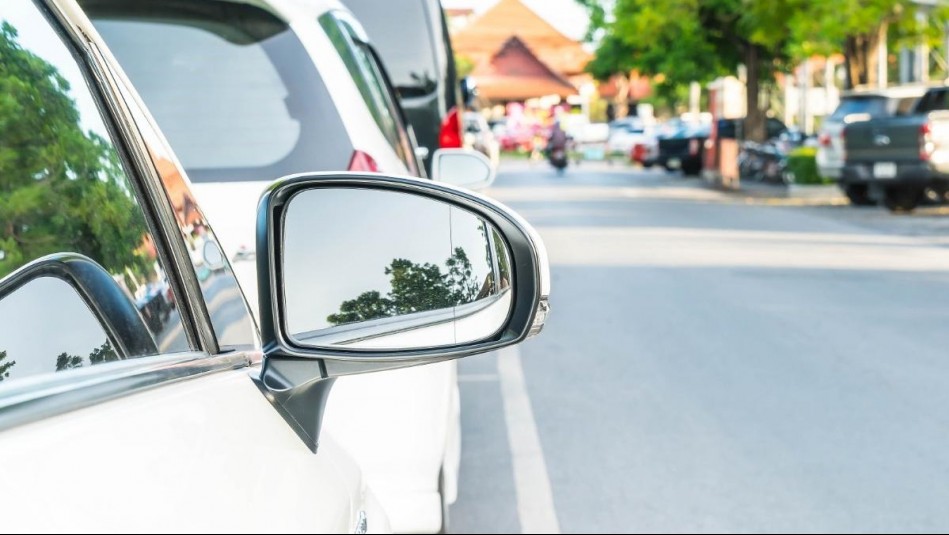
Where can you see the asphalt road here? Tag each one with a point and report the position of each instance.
(715, 363)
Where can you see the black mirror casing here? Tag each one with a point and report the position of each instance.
(297, 379)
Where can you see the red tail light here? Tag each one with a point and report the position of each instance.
(363, 162)
(824, 140)
(639, 153)
(926, 145)
(450, 135)
(693, 147)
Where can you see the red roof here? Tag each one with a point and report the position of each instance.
(486, 34)
(515, 73)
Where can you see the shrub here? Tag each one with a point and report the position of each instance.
(802, 167)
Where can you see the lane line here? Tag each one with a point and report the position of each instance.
(478, 378)
(535, 499)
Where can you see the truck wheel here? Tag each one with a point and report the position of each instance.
(859, 195)
(692, 168)
(902, 199)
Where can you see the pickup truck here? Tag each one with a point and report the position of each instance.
(897, 158)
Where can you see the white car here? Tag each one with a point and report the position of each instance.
(116, 418)
(625, 134)
(247, 92)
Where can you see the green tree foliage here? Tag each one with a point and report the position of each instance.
(856, 27)
(5, 366)
(680, 41)
(65, 362)
(99, 355)
(463, 65)
(61, 189)
(414, 288)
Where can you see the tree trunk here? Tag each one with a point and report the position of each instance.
(755, 119)
(621, 100)
(860, 56)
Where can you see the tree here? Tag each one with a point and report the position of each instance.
(414, 288)
(67, 362)
(5, 366)
(463, 65)
(681, 41)
(62, 189)
(857, 27)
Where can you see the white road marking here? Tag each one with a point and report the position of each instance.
(477, 378)
(535, 500)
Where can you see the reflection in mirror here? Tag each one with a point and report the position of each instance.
(29, 316)
(374, 269)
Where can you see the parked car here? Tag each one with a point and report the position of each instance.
(108, 424)
(858, 105)
(480, 137)
(623, 134)
(413, 41)
(312, 96)
(685, 149)
(898, 157)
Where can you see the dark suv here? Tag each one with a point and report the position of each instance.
(412, 37)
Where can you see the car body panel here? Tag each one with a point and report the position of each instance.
(190, 445)
(367, 411)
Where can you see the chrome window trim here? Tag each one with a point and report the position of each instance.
(195, 316)
(37, 398)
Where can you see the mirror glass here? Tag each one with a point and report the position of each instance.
(385, 270)
(463, 167)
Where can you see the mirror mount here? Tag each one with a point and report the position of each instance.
(297, 379)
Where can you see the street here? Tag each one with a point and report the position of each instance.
(714, 363)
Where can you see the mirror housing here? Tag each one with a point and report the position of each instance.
(463, 168)
(296, 377)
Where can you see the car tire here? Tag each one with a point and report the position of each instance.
(902, 199)
(859, 195)
(691, 168)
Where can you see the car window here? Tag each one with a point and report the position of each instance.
(230, 85)
(371, 81)
(64, 191)
(401, 31)
(933, 101)
(874, 106)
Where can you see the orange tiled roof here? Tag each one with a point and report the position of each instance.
(488, 33)
(515, 73)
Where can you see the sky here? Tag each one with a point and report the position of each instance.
(566, 15)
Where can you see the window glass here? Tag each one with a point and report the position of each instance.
(401, 32)
(873, 106)
(230, 85)
(369, 78)
(63, 189)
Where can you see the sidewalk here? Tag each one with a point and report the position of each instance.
(798, 195)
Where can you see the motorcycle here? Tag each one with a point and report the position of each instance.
(558, 159)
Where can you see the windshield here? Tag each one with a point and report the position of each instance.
(230, 85)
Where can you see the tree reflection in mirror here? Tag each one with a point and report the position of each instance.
(375, 269)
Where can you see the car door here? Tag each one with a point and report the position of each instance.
(126, 348)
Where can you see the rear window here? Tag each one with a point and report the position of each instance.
(403, 37)
(230, 85)
(872, 106)
(934, 101)
(371, 81)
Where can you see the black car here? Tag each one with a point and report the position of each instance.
(412, 37)
(685, 149)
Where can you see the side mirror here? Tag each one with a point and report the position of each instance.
(369, 273)
(465, 168)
